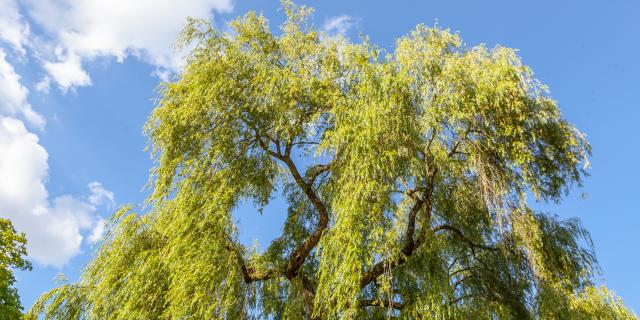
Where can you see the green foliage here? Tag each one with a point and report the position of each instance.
(12, 250)
(407, 175)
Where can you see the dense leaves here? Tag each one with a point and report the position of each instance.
(408, 174)
(12, 251)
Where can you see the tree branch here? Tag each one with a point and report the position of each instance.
(381, 303)
(249, 273)
(300, 254)
(313, 172)
(297, 257)
(308, 295)
(461, 236)
(409, 246)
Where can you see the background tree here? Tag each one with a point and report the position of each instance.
(407, 175)
(12, 250)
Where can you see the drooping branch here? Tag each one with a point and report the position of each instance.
(410, 245)
(381, 303)
(407, 250)
(459, 233)
(249, 273)
(313, 172)
(308, 294)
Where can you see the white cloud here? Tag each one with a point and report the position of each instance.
(55, 229)
(339, 24)
(63, 36)
(163, 74)
(13, 95)
(99, 195)
(83, 30)
(13, 29)
(67, 73)
(44, 84)
(98, 231)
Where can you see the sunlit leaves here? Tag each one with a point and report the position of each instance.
(12, 252)
(406, 175)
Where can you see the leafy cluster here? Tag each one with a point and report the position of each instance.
(406, 173)
(12, 251)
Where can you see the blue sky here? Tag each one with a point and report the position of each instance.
(77, 81)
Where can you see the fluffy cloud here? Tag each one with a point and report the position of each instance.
(55, 228)
(68, 73)
(13, 95)
(63, 36)
(339, 24)
(13, 29)
(98, 231)
(44, 84)
(78, 31)
(100, 195)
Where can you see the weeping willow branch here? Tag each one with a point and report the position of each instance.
(459, 233)
(381, 303)
(410, 244)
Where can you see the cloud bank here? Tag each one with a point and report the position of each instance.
(13, 95)
(78, 31)
(54, 228)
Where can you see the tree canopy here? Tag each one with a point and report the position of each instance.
(409, 177)
(12, 250)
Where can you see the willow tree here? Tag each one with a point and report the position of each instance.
(407, 175)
